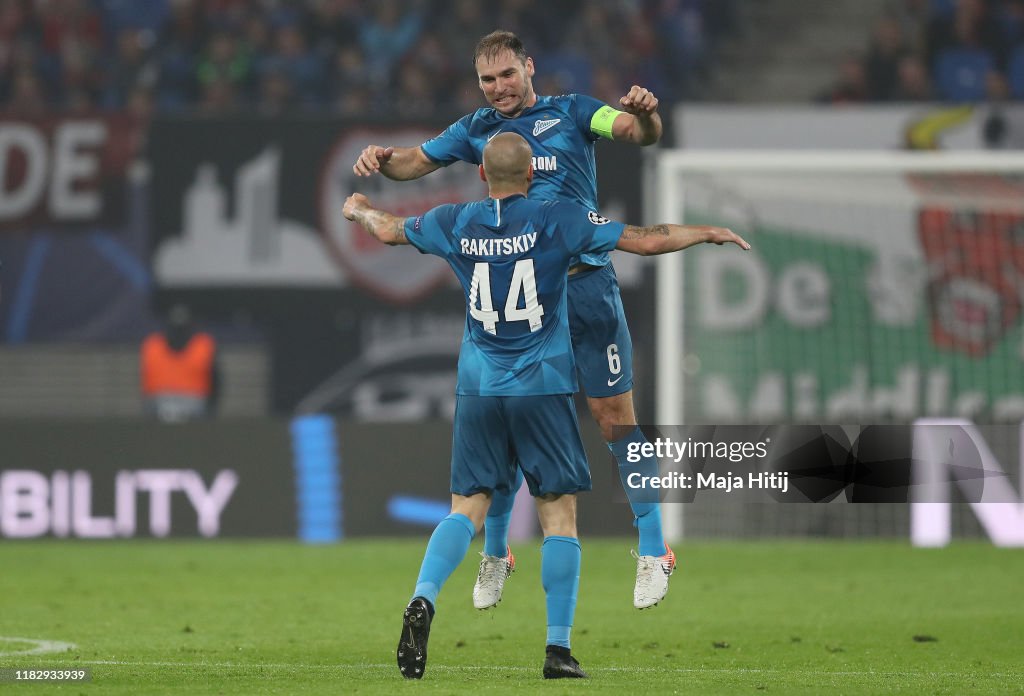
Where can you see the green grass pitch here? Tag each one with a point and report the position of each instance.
(744, 618)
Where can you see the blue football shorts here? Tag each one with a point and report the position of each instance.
(540, 434)
(600, 336)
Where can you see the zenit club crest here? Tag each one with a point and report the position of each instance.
(539, 126)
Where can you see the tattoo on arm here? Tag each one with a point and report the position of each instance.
(634, 232)
(398, 230)
(384, 226)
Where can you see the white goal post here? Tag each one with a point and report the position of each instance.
(876, 187)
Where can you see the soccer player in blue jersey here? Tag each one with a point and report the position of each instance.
(516, 375)
(561, 131)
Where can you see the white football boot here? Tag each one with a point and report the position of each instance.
(490, 580)
(652, 574)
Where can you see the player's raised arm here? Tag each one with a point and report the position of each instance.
(396, 163)
(662, 239)
(639, 123)
(386, 227)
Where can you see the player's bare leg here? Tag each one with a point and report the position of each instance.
(612, 411)
(655, 561)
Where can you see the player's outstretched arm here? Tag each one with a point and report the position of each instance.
(396, 163)
(640, 124)
(386, 227)
(662, 239)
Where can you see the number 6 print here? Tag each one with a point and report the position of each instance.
(614, 362)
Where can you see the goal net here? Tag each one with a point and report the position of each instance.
(882, 287)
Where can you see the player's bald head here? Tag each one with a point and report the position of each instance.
(507, 159)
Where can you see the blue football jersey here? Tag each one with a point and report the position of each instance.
(558, 130)
(511, 257)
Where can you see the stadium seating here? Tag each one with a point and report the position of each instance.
(960, 73)
(1015, 73)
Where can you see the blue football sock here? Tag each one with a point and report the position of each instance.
(499, 518)
(644, 501)
(560, 576)
(445, 550)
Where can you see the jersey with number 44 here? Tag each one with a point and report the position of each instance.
(511, 256)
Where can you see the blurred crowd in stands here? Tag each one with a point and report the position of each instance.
(348, 57)
(413, 57)
(938, 50)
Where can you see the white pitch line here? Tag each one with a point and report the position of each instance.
(42, 647)
(518, 668)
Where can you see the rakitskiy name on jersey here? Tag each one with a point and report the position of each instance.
(508, 246)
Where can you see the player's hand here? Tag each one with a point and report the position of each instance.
(353, 203)
(640, 101)
(372, 159)
(721, 235)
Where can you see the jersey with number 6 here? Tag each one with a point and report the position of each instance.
(511, 256)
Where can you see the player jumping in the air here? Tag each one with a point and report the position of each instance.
(516, 376)
(561, 132)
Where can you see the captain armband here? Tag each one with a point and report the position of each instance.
(602, 121)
